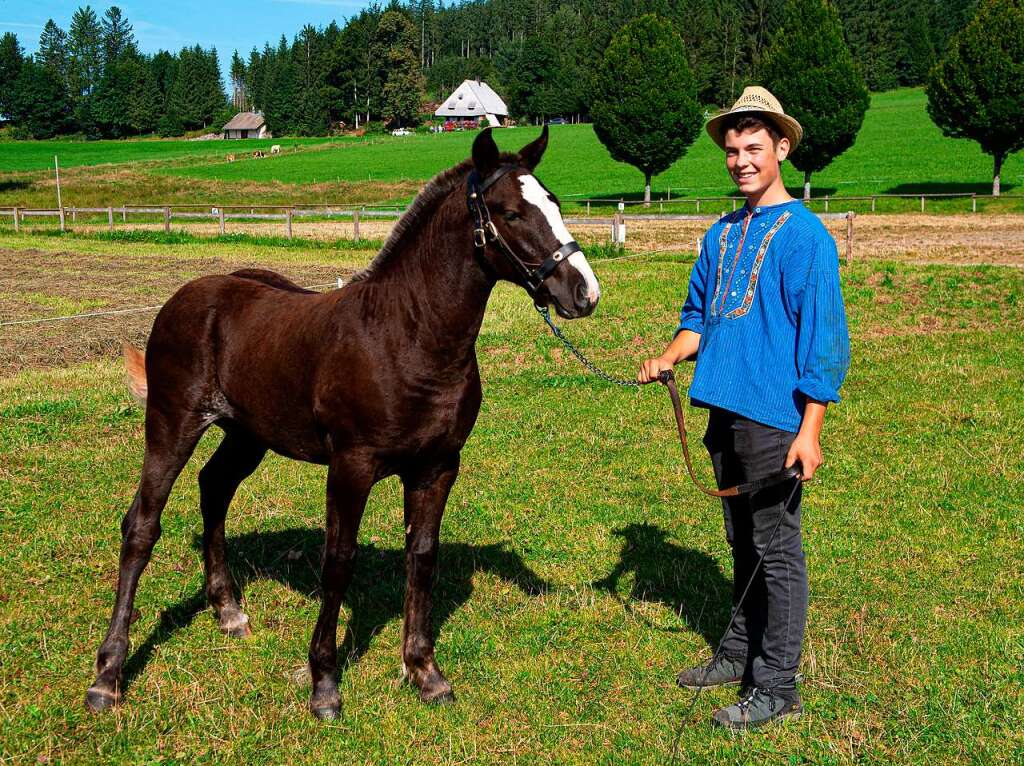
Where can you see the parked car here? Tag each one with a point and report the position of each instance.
(558, 121)
(401, 132)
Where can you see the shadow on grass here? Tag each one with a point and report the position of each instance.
(375, 597)
(685, 580)
(939, 187)
(14, 185)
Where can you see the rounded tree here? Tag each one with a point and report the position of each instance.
(811, 71)
(977, 90)
(644, 98)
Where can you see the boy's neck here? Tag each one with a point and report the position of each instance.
(774, 194)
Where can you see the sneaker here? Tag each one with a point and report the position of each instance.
(721, 671)
(758, 708)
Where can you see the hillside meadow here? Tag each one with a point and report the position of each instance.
(898, 151)
(579, 568)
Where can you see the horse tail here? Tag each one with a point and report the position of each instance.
(135, 365)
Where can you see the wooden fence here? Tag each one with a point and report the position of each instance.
(167, 213)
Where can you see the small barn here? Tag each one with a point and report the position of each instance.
(247, 125)
(471, 100)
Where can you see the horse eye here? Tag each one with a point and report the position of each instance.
(511, 216)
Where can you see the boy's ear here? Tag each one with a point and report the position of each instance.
(782, 149)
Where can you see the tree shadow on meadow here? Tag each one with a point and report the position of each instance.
(941, 187)
(375, 596)
(685, 580)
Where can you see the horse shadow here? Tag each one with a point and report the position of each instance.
(687, 581)
(375, 596)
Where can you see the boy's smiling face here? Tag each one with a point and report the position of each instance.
(754, 159)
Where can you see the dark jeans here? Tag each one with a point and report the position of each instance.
(769, 629)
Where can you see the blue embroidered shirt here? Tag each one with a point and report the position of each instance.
(771, 317)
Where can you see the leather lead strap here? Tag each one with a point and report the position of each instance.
(793, 472)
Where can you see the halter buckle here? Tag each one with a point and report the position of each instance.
(479, 237)
(491, 229)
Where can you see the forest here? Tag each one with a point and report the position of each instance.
(387, 64)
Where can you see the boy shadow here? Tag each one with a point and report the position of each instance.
(374, 598)
(685, 580)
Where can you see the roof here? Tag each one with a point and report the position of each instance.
(473, 98)
(245, 121)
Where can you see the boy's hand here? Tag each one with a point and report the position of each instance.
(651, 368)
(807, 449)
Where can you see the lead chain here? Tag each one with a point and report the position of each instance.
(546, 314)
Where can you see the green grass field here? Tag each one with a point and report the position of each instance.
(898, 151)
(579, 568)
(18, 156)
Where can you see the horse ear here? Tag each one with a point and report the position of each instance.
(485, 153)
(530, 154)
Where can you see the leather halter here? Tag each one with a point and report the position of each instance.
(484, 232)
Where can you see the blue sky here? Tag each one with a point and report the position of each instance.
(172, 24)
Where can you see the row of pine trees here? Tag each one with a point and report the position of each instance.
(382, 63)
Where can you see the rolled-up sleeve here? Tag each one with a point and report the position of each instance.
(692, 315)
(823, 340)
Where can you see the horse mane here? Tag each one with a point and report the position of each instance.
(433, 194)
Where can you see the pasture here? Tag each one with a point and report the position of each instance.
(898, 151)
(579, 568)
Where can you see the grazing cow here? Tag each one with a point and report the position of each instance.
(258, 155)
(275, 149)
(230, 158)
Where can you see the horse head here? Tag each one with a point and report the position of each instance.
(519, 229)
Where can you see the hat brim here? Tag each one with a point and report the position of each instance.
(786, 125)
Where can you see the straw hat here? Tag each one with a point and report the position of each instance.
(758, 102)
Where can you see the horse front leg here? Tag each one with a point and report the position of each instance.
(426, 492)
(348, 486)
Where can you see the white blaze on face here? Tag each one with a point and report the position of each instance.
(537, 195)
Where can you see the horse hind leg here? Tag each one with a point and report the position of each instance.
(169, 444)
(234, 460)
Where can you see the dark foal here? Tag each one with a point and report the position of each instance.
(375, 379)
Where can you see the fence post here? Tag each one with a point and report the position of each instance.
(124, 213)
(61, 212)
(74, 215)
(849, 237)
(698, 205)
(17, 224)
(670, 194)
(355, 225)
(588, 208)
(734, 204)
(661, 206)
(974, 203)
(922, 203)
(220, 218)
(110, 217)
(872, 203)
(288, 221)
(826, 203)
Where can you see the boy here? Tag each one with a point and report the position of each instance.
(765, 320)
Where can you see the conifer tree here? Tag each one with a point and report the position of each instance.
(118, 38)
(810, 70)
(11, 61)
(39, 105)
(53, 53)
(85, 64)
(977, 90)
(644, 103)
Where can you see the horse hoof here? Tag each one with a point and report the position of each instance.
(237, 626)
(98, 700)
(326, 712)
(444, 697)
